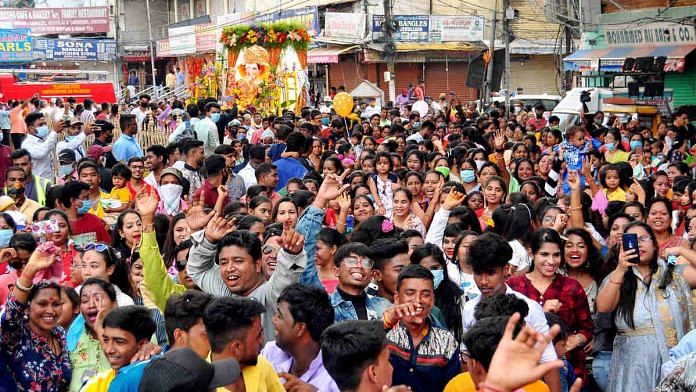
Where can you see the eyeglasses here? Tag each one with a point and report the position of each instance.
(645, 239)
(353, 262)
(99, 247)
(268, 249)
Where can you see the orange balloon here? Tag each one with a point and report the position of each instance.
(343, 104)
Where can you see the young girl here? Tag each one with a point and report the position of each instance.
(260, 206)
(328, 242)
(459, 270)
(414, 183)
(403, 217)
(611, 190)
(383, 183)
(494, 193)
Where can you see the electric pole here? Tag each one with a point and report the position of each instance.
(152, 50)
(508, 14)
(389, 47)
(489, 75)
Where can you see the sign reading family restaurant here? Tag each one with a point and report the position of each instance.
(653, 34)
(56, 20)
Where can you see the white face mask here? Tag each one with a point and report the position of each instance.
(171, 197)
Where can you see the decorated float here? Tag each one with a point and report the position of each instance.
(266, 66)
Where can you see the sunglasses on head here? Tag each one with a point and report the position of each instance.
(99, 247)
(180, 265)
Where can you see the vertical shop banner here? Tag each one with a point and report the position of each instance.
(344, 25)
(15, 46)
(56, 20)
(456, 28)
(49, 49)
(182, 40)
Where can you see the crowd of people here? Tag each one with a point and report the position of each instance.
(458, 250)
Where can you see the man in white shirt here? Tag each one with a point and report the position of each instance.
(489, 255)
(41, 143)
(140, 112)
(75, 139)
(206, 130)
(257, 155)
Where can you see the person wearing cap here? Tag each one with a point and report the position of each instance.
(103, 137)
(304, 312)
(66, 168)
(193, 151)
(236, 331)
(257, 156)
(42, 143)
(182, 370)
(171, 191)
(232, 132)
(75, 139)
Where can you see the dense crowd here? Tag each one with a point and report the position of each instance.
(464, 249)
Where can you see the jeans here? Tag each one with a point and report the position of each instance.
(601, 366)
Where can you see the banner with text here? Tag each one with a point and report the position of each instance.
(182, 40)
(344, 25)
(434, 28)
(15, 45)
(49, 49)
(653, 34)
(56, 20)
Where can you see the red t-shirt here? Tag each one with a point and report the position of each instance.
(211, 195)
(89, 229)
(146, 187)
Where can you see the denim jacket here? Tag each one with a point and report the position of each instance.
(344, 310)
(309, 226)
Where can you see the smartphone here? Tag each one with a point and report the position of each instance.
(630, 241)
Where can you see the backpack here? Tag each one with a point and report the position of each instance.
(188, 132)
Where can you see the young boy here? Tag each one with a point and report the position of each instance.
(120, 176)
(567, 372)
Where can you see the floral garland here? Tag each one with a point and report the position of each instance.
(274, 35)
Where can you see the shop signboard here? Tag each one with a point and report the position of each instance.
(15, 46)
(307, 16)
(456, 28)
(344, 25)
(206, 37)
(652, 34)
(163, 48)
(412, 28)
(40, 21)
(182, 40)
(73, 49)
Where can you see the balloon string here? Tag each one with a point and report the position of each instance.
(347, 130)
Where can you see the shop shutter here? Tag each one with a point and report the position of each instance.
(407, 73)
(441, 77)
(683, 85)
(536, 75)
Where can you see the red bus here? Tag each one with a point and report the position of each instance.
(55, 84)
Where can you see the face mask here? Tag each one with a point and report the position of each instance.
(445, 171)
(86, 206)
(517, 109)
(15, 190)
(65, 170)
(42, 131)
(245, 127)
(143, 104)
(468, 175)
(325, 121)
(598, 121)
(5, 236)
(638, 171)
(438, 276)
(636, 144)
(171, 196)
(215, 117)
(610, 147)
(416, 125)
(69, 138)
(668, 141)
(479, 165)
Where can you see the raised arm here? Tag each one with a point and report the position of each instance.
(608, 297)
(292, 261)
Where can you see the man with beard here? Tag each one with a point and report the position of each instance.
(304, 312)
(235, 331)
(36, 187)
(127, 146)
(192, 150)
(538, 121)
(137, 183)
(156, 159)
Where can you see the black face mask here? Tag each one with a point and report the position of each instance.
(109, 139)
(143, 104)
(16, 264)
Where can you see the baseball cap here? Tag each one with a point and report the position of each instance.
(173, 171)
(184, 370)
(235, 123)
(104, 125)
(75, 121)
(67, 156)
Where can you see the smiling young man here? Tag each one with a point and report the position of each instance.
(304, 312)
(125, 330)
(390, 258)
(489, 255)
(354, 272)
(424, 356)
(229, 264)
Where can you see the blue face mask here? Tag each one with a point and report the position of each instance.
(636, 144)
(215, 117)
(610, 146)
(468, 175)
(416, 125)
(5, 236)
(438, 276)
(42, 131)
(86, 206)
(325, 121)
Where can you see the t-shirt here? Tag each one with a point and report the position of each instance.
(261, 377)
(464, 383)
(89, 229)
(122, 194)
(211, 195)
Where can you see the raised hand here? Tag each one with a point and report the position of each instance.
(499, 140)
(217, 228)
(291, 241)
(146, 203)
(332, 186)
(196, 217)
(574, 181)
(344, 201)
(454, 199)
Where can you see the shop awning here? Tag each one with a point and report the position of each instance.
(613, 58)
(329, 55)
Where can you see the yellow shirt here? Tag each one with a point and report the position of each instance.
(618, 195)
(122, 194)
(97, 208)
(464, 383)
(28, 208)
(100, 382)
(259, 378)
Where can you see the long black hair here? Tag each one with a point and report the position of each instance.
(448, 296)
(627, 292)
(594, 257)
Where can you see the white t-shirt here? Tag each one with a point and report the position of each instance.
(520, 256)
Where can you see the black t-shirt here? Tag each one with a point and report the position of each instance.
(359, 302)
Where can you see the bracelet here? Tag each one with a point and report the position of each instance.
(388, 323)
(612, 281)
(338, 222)
(487, 387)
(148, 228)
(22, 288)
(571, 209)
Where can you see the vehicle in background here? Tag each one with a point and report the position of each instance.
(24, 83)
(531, 100)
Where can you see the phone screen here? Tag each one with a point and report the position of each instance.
(630, 241)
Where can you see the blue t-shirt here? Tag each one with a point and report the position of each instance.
(276, 150)
(287, 169)
(128, 377)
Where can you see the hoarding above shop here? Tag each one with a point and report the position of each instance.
(56, 20)
(15, 46)
(49, 49)
(653, 34)
(433, 28)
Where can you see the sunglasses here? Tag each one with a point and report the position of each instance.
(268, 249)
(99, 247)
